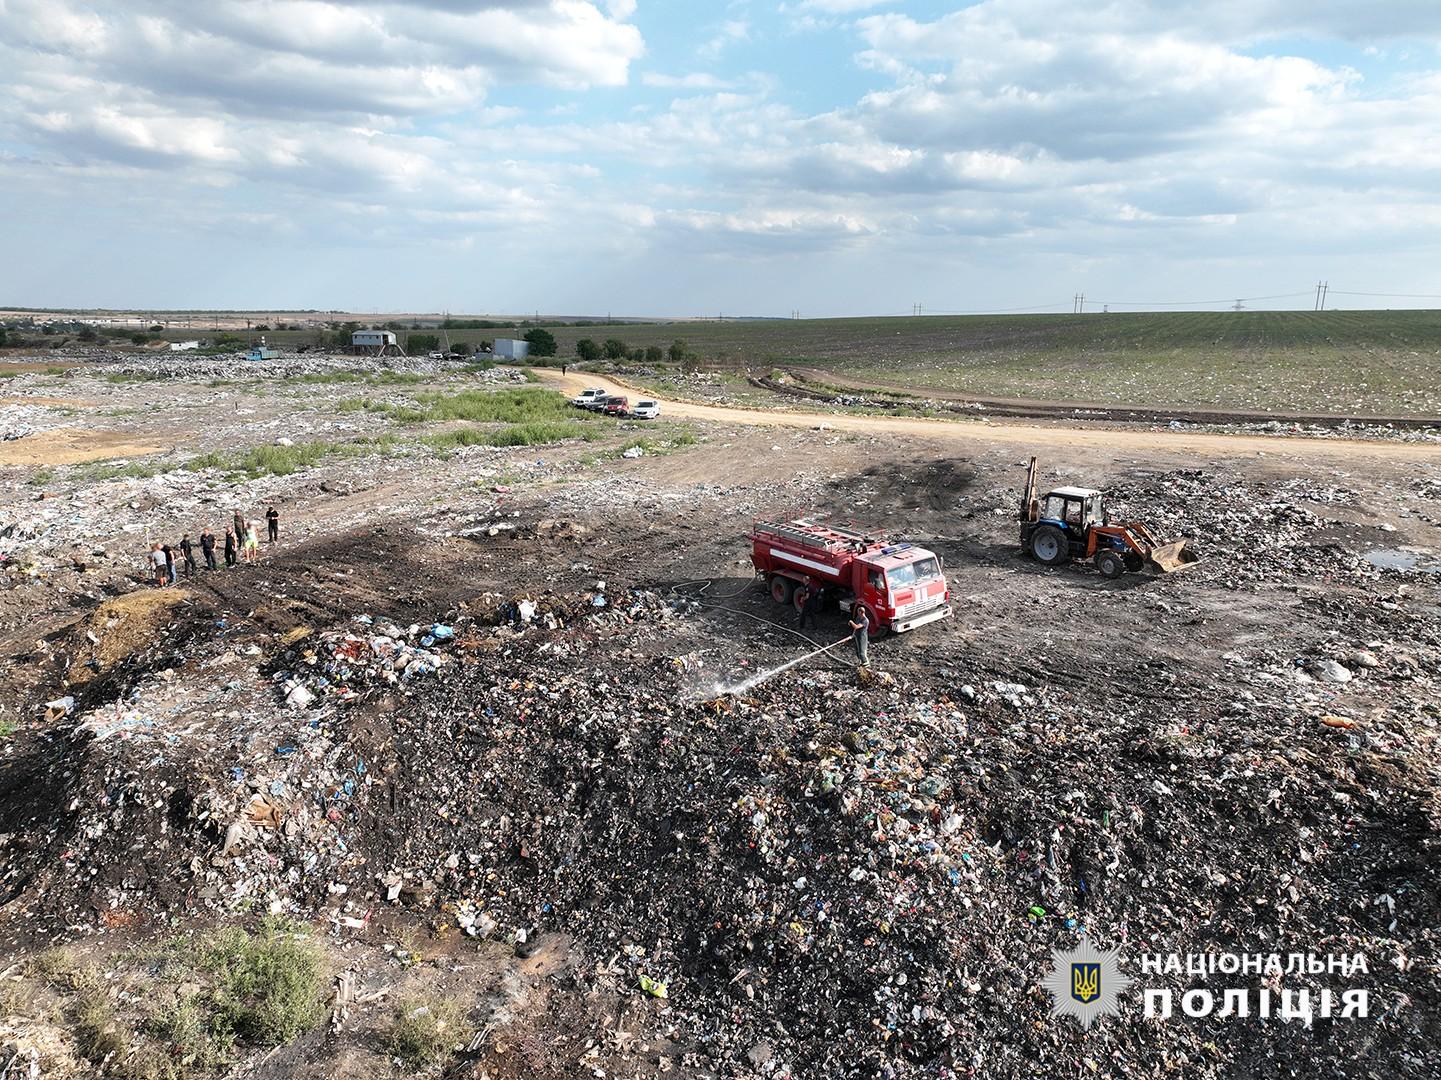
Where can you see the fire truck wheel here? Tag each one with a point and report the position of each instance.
(1050, 545)
(782, 589)
(1110, 564)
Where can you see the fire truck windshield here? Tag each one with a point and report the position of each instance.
(903, 577)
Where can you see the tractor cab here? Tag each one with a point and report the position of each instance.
(1072, 508)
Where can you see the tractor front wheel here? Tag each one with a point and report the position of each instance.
(1050, 546)
(1110, 564)
(782, 589)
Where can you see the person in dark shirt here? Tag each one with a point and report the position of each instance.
(169, 553)
(811, 609)
(229, 547)
(861, 632)
(272, 523)
(207, 548)
(188, 550)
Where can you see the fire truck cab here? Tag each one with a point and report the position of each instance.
(901, 585)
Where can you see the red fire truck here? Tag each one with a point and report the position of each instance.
(900, 585)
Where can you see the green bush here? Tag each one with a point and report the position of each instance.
(425, 1032)
(542, 342)
(191, 1033)
(420, 344)
(268, 984)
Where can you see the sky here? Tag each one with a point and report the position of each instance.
(640, 157)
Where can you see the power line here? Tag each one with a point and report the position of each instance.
(993, 311)
(1393, 295)
(1195, 303)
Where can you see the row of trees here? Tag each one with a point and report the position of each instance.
(615, 349)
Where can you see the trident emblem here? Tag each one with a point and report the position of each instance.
(1085, 982)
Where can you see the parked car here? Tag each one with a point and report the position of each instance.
(619, 405)
(646, 410)
(598, 404)
(587, 397)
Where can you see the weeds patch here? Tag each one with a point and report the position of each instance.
(285, 460)
(134, 377)
(268, 984)
(425, 1032)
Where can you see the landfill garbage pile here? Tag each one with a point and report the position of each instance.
(204, 774)
(870, 885)
(342, 664)
(834, 875)
(189, 365)
(818, 879)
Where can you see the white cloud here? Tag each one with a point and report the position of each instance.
(726, 35)
(835, 7)
(696, 80)
(1003, 130)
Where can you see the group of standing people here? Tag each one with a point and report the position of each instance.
(241, 544)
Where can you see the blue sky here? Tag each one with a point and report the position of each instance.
(829, 156)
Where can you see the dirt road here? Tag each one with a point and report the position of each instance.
(1046, 437)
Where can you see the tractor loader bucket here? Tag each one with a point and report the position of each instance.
(1169, 557)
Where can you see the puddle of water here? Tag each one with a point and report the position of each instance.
(1400, 559)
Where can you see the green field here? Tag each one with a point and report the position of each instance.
(1381, 362)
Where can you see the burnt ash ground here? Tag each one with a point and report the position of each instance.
(834, 877)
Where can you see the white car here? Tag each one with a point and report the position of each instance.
(645, 410)
(588, 397)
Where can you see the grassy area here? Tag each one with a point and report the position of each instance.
(182, 1009)
(121, 377)
(651, 445)
(526, 416)
(518, 406)
(285, 460)
(425, 1032)
(267, 985)
(134, 470)
(532, 433)
(383, 377)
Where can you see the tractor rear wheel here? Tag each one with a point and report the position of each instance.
(1049, 544)
(782, 589)
(1110, 564)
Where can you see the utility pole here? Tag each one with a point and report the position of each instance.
(1321, 287)
(1078, 304)
(1325, 291)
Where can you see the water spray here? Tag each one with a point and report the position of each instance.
(762, 676)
